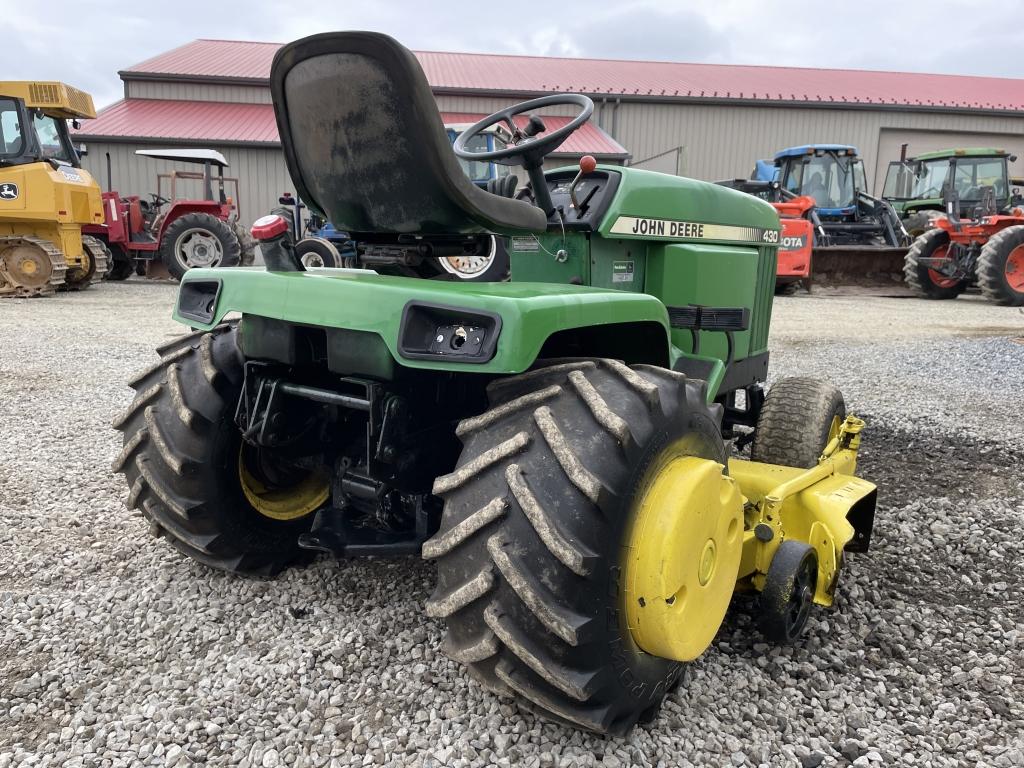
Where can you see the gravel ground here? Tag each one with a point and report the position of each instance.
(116, 651)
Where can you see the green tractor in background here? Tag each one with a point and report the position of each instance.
(559, 444)
(916, 186)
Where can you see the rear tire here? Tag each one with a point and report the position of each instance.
(1001, 268)
(924, 281)
(795, 422)
(219, 242)
(180, 458)
(122, 266)
(920, 222)
(529, 549)
(246, 244)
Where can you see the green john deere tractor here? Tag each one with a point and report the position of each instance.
(559, 444)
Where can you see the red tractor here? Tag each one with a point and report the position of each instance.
(799, 220)
(173, 234)
(987, 249)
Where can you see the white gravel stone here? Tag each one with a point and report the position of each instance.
(119, 651)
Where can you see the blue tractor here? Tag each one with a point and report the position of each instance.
(833, 174)
(318, 243)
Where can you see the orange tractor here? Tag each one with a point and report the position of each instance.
(987, 249)
(800, 225)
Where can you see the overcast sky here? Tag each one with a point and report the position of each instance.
(85, 42)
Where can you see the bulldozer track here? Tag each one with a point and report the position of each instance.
(10, 288)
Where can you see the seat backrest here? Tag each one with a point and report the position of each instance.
(365, 144)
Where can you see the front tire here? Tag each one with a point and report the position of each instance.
(198, 240)
(1001, 268)
(489, 267)
(788, 594)
(181, 458)
(530, 549)
(314, 252)
(922, 279)
(796, 422)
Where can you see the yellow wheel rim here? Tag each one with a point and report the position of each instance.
(298, 500)
(682, 555)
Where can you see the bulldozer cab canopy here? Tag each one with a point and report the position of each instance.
(32, 135)
(51, 98)
(366, 147)
(198, 156)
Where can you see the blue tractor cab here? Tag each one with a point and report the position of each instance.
(833, 174)
(479, 172)
(765, 170)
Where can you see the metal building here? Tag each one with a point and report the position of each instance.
(707, 121)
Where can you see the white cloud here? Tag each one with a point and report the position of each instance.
(86, 43)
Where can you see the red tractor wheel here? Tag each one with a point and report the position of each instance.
(1001, 267)
(198, 240)
(924, 280)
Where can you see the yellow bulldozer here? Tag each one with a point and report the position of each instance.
(45, 195)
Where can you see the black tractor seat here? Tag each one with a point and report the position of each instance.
(365, 144)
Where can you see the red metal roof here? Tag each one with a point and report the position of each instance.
(184, 121)
(254, 123)
(535, 74)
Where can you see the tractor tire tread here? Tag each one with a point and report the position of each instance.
(518, 540)
(792, 428)
(991, 267)
(163, 456)
(924, 245)
(232, 248)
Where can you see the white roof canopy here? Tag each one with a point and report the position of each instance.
(200, 156)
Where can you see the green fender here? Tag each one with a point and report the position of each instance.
(362, 300)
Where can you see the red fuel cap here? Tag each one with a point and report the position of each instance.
(270, 226)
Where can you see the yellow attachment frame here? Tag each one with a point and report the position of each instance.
(53, 98)
(813, 505)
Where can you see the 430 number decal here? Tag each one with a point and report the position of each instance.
(770, 236)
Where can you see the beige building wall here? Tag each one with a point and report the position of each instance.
(718, 141)
(703, 141)
(178, 91)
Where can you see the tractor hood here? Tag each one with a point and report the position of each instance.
(656, 206)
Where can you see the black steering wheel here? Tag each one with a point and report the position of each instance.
(529, 145)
